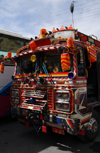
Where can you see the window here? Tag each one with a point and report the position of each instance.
(92, 83)
(10, 44)
(92, 79)
(50, 62)
(80, 61)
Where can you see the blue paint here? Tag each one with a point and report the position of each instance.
(71, 75)
(5, 89)
(32, 100)
(58, 120)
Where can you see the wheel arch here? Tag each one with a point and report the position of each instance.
(97, 109)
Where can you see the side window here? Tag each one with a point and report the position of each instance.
(92, 79)
(80, 61)
(98, 70)
(92, 83)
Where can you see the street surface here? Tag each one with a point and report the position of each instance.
(17, 138)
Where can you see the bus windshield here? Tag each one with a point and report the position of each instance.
(50, 62)
(11, 42)
(25, 66)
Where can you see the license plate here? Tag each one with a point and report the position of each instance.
(56, 130)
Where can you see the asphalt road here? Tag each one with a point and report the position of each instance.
(17, 138)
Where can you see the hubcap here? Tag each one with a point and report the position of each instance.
(93, 126)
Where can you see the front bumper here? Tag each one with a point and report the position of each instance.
(72, 126)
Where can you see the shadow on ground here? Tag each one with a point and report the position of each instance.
(16, 137)
(96, 146)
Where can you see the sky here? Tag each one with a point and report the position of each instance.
(27, 17)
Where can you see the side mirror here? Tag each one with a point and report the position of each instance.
(2, 67)
(65, 61)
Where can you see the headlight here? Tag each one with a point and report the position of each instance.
(66, 107)
(15, 101)
(63, 95)
(58, 95)
(58, 106)
(62, 100)
(62, 107)
(15, 93)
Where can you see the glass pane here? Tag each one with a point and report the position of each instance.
(10, 45)
(80, 61)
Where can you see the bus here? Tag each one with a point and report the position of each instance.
(9, 43)
(57, 83)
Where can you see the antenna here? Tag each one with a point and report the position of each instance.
(72, 10)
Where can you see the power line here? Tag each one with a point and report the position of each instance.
(80, 8)
(75, 6)
(82, 19)
(78, 15)
(95, 15)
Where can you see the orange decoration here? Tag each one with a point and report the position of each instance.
(53, 30)
(70, 27)
(2, 68)
(62, 28)
(92, 53)
(65, 61)
(33, 45)
(70, 42)
(9, 55)
(42, 33)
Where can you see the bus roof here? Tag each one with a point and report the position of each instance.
(12, 34)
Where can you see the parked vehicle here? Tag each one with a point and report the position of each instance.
(9, 43)
(7, 65)
(57, 83)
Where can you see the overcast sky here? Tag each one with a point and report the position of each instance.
(27, 17)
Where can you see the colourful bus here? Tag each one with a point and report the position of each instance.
(9, 43)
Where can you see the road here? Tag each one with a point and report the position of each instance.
(17, 138)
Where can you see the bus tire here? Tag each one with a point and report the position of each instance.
(92, 130)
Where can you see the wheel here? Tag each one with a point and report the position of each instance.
(92, 130)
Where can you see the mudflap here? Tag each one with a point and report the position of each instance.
(44, 129)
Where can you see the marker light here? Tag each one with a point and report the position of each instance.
(58, 120)
(9, 55)
(33, 58)
(71, 75)
(32, 100)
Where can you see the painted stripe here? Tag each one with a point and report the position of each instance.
(54, 74)
(71, 125)
(5, 89)
(86, 120)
